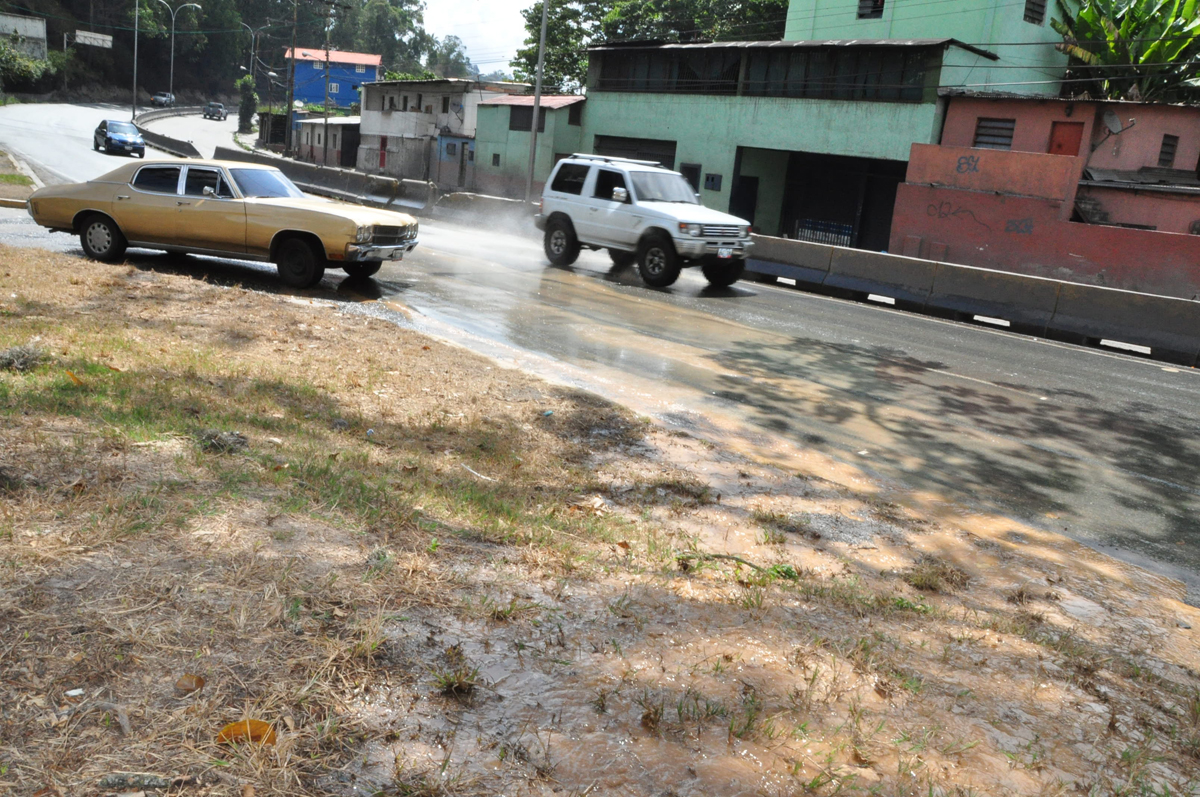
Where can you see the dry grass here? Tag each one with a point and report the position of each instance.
(386, 550)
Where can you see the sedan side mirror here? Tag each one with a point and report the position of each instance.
(620, 195)
(208, 191)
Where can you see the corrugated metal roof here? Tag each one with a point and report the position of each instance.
(552, 101)
(811, 44)
(333, 120)
(1143, 177)
(335, 56)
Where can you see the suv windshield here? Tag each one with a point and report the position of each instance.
(124, 128)
(268, 183)
(662, 187)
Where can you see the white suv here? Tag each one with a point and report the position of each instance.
(638, 210)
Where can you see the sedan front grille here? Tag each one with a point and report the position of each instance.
(393, 236)
(720, 230)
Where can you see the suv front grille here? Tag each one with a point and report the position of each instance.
(719, 231)
(393, 236)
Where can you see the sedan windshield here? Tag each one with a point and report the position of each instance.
(662, 187)
(124, 128)
(264, 183)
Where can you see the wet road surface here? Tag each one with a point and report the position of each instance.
(1104, 447)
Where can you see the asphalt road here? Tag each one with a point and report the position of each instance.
(1102, 446)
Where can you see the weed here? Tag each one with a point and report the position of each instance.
(458, 681)
(653, 708)
(933, 574)
(23, 358)
(777, 524)
(600, 701)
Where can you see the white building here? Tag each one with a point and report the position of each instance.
(424, 129)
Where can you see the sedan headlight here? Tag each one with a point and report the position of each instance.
(363, 235)
(689, 229)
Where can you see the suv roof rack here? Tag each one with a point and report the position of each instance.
(614, 159)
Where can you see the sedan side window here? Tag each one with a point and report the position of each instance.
(158, 179)
(199, 179)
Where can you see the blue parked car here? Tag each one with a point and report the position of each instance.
(117, 136)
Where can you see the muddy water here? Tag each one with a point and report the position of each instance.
(1102, 448)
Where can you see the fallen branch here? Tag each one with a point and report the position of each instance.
(117, 710)
(774, 571)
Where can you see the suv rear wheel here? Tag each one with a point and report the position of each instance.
(657, 261)
(722, 275)
(560, 243)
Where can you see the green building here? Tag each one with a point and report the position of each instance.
(806, 137)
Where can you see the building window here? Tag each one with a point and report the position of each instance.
(418, 103)
(317, 64)
(405, 108)
(333, 88)
(318, 139)
(994, 133)
(575, 114)
(391, 102)
(520, 118)
(452, 149)
(360, 68)
(445, 105)
(470, 156)
(1035, 11)
(870, 9)
(495, 158)
(1166, 154)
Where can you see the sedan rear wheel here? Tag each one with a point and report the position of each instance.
(101, 238)
(299, 263)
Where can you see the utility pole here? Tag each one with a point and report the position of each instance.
(537, 105)
(325, 125)
(291, 82)
(136, 6)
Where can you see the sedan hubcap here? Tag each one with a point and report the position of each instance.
(558, 242)
(99, 237)
(656, 261)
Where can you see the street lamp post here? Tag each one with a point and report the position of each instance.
(174, 11)
(254, 34)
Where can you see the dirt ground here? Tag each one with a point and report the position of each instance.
(13, 183)
(263, 544)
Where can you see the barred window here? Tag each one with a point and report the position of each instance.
(870, 9)
(1035, 11)
(994, 133)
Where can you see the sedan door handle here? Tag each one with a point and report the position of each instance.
(122, 196)
(181, 202)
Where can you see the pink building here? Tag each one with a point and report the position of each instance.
(1097, 192)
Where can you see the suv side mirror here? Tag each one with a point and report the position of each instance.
(620, 195)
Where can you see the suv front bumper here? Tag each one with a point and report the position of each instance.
(356, 253)
(697, 248)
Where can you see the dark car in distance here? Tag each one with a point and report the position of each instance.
(215, 110)
(119, 137)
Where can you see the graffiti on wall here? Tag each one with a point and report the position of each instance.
(1019, 226)
(967, 164)
(947, 210)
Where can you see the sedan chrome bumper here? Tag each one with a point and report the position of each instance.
(358, 252)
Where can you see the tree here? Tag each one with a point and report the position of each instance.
(448, 58)
(16, 68)
(574, 24)
(247, 103)
(1132, 49)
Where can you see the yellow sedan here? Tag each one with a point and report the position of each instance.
(240, 210)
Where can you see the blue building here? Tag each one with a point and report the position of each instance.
(347, 73)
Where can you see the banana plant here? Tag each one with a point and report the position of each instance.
(1133, 49)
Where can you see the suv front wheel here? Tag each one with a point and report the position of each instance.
(657, 261)
(724, 274)
(560, 243)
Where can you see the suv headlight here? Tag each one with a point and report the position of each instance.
(363, 235)
(689, 229)
(743, 232)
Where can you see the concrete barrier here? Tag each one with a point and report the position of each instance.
(175, 146)
(801, 261)
(345, 184)
(15, 204)
(906, 280)
(1089, 314)
(163, 113)
(963, 292)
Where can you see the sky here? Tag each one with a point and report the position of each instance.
(492, 30)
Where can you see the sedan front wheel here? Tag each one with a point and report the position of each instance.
(362, 270)
(102, 239)
(299, 263)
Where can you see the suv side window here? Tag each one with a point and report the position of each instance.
(570, 178)
(606, 181)
(159, 179)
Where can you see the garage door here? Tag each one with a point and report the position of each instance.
(642, 149)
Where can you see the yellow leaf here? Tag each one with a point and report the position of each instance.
(75, 379)
(189, 683)
(247, 731)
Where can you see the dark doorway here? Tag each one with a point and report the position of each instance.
(840, 200)
(350, 139)
(743, 198)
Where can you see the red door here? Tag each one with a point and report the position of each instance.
(382, 153)
(1065, 138)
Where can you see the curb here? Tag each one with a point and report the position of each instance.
(15, 204)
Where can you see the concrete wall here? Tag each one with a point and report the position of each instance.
(405, 158)
(1166, 212)
(1021, 173)
(30, 34)
(311, 144)
(709, 129)
(493, 138)
(770, 167)
(990, 24)
(1026, 235)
